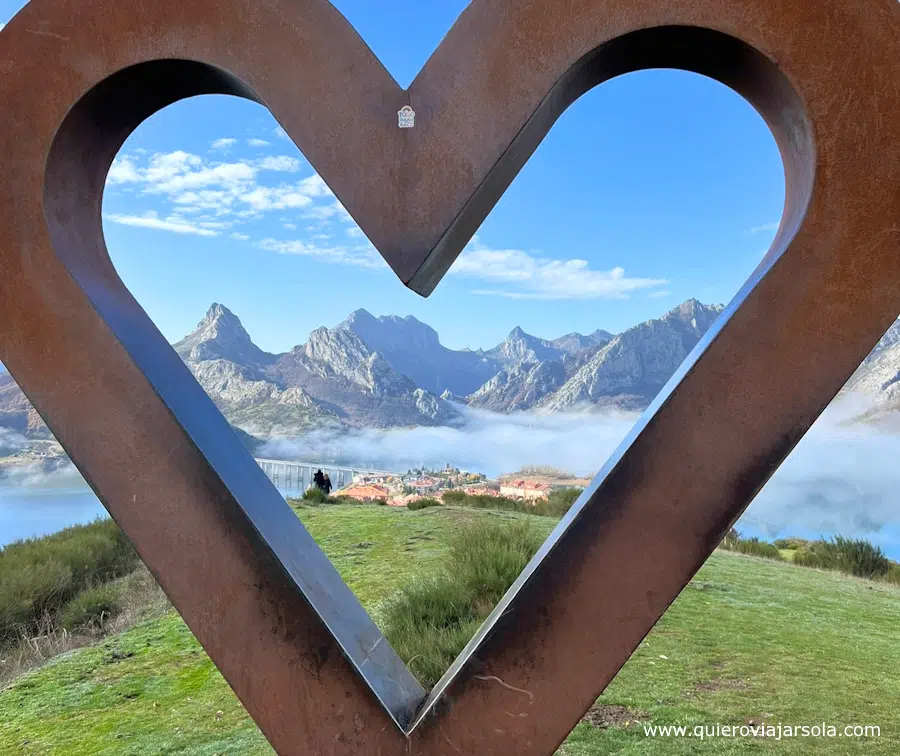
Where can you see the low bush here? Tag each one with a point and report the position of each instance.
(558, 502)
(430, 620)
(480, 501)
(338, 499)
(39, 576)
(893, 574)
(733, 541)
(91, 608)
(792, 544)
(852, 556)
(425, 503)
(312, 496)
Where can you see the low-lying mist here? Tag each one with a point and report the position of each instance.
(39, 476)
(483, 442)
(843, 478)
(11, 442)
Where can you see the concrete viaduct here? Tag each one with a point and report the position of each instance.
(287, 475)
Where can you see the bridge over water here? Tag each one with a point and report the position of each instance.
(290, 475)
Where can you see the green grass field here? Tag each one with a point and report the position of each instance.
(749, 640)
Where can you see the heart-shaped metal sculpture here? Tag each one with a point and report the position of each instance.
(77, 76)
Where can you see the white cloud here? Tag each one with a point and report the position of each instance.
(206, 199)
(765, 227)
(314, 186)
(359, 257)
(188, 193)
(264, 198)
(280, 163)
(257, 142)
(2, 25)
(544, 278)
(321, 212)
(281, 133)
(354, 233)
(123, 171)
(166, 166)
(240, 189)
(173, 223)
(196, 176)
(326, 213)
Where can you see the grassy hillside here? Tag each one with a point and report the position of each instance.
(749, 640)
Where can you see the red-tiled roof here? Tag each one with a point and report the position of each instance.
(364, 492)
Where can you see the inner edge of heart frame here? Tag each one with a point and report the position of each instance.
(99, 130)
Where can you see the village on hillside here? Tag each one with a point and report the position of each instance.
(528, 484)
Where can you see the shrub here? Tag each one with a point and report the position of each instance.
(792, 544)
(893, 574)
(555, 505)
(40, 575)
(807, 558)
(430, 620)
(853, 556)
(348, 500)
(91, 607)
(425, 503)
(558, 502)
(752, 546)
(312, 496)
(760, 548)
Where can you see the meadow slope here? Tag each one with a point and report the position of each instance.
(749, 640)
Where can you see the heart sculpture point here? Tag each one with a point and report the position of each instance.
(78, 76)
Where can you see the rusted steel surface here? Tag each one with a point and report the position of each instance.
(77, 77)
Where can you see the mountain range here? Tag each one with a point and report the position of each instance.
(393, 371)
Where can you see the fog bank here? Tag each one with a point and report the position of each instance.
(843, 478)
(484, 442)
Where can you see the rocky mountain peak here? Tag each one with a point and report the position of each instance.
(413, 349)
(517, 333)
(339, 352)
(693, 314)
(523, 347)
(573, 343)
(221, 336)
(389, 333)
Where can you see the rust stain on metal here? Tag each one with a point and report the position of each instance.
(310, 667)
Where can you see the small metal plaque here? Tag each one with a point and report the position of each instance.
(407, 117)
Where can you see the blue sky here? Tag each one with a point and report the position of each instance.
(651, 189)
